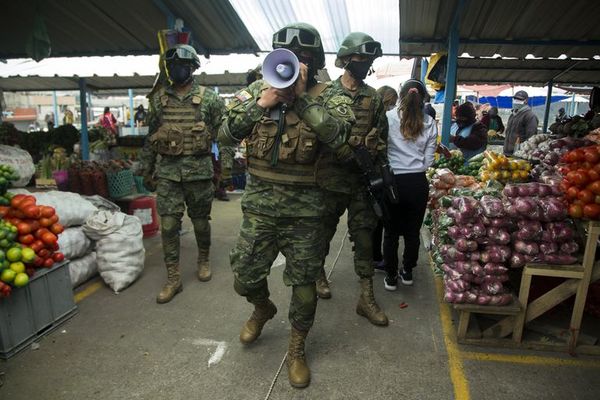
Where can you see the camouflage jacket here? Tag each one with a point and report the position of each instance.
(329, 113)
(345, 176)
(181, 168)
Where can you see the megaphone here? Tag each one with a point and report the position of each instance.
(281, 68)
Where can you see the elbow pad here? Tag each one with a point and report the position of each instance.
(225, 137)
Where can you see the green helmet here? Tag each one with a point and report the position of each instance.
(304, 36)
(358, 43)
(182, 52)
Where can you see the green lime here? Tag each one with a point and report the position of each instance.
(13, 254)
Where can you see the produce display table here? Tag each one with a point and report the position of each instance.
(36, 309)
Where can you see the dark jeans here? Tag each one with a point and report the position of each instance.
(405, 220)
(376, 238)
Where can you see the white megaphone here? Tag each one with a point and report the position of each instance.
(281, 68)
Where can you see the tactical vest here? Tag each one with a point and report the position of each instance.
(181, 132)
(297, 151)
(362, 134)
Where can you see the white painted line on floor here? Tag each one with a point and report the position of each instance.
(217, 355)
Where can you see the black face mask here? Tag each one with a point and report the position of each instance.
(309, 62)
(180, 74)
(359, 69)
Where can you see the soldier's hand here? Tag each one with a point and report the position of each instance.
(300, 85)
(271, 97)
(150, 183)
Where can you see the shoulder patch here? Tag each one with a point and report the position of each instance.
(243, 96)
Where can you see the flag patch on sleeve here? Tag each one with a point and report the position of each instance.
(243, 96)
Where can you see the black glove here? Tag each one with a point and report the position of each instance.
(150, 183)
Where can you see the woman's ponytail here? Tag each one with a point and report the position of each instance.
(411, 113)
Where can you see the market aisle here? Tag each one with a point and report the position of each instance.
(128, 347)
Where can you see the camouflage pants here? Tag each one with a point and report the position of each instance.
(299, 240)
(172, 200)
(361, 224)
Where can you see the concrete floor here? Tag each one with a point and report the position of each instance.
(128, 347)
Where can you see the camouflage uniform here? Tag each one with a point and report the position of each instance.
(184, 177)
(282, 215)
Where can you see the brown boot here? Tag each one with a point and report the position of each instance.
(298, 371)
(323, 290)
(367, 306)
(173, 285)
(263, 311)
(204, 273)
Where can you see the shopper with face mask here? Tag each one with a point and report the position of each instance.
(522, 123)
(467, 134)
(493, 121)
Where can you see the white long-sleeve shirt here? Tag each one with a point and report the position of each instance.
(410, 156)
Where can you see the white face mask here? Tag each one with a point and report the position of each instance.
(518, 104)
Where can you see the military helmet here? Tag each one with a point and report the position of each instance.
(305, 36)
(358, 43)
(182, 52)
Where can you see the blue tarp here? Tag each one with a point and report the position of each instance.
(506, 101)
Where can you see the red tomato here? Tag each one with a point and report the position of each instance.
(38, 262)
(48, 262)
(16, 200)
(26, 239)
(44, 253)
(37, 245)
(586, 196)
(594, 176)
(591, 211)
(50, 238)
(579, 178)
(54, 219)
(38, 234)
(56, 228)
(18, 214)
(577, 155)
(45, 222)
(575, 211)
(572, 192)
(596, 168)
(23, 228)
(597, 199)
(54, 246)
(35, 225)
(4, 211)
(27, 202)
(32, 211)
(591, 155)
(47, 211)
(594, 187)
(58, 257)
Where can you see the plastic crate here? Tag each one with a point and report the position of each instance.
(139, 185)
(120, 184)
(35, 310)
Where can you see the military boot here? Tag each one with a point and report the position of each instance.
(323, 290)
(298, 371)
(173, 285)
(264, 310)
(367, 306)
(204, 273)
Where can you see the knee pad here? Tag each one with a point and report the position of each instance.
(170, 224)
(304, 298)
(252, 291)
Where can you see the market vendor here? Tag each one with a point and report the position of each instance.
(467, 134)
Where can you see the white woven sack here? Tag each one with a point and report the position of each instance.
(119, 247)
(73, 243)
(83, 268)
(21, 162)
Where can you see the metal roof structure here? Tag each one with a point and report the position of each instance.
(334, 19)
(113, 27)
(227, 82)
(511, 28)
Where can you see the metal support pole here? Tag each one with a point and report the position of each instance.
(55, 108)
(85, 148)
(547, 110)
(131, 123)
(90, 106)
(453, 42)
(424, 66)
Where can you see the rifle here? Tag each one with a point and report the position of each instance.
(380, 181)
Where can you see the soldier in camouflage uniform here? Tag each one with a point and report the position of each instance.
(282, 204)
(176, 160)
(343, 181)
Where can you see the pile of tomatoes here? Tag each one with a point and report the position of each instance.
(581, 181)
(37, 226)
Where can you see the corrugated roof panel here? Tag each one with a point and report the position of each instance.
(489, 24)
(114, 27)
(334, 19)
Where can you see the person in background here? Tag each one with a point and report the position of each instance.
(521, 125)
(49, 119)
(412, 142)
(390, 98)
(561, 114)
(492, 120)
(254, 75)
(68, 117)
(140, 116)
(467, 134)
(428, 108)
(454, 107)
(108, 121)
